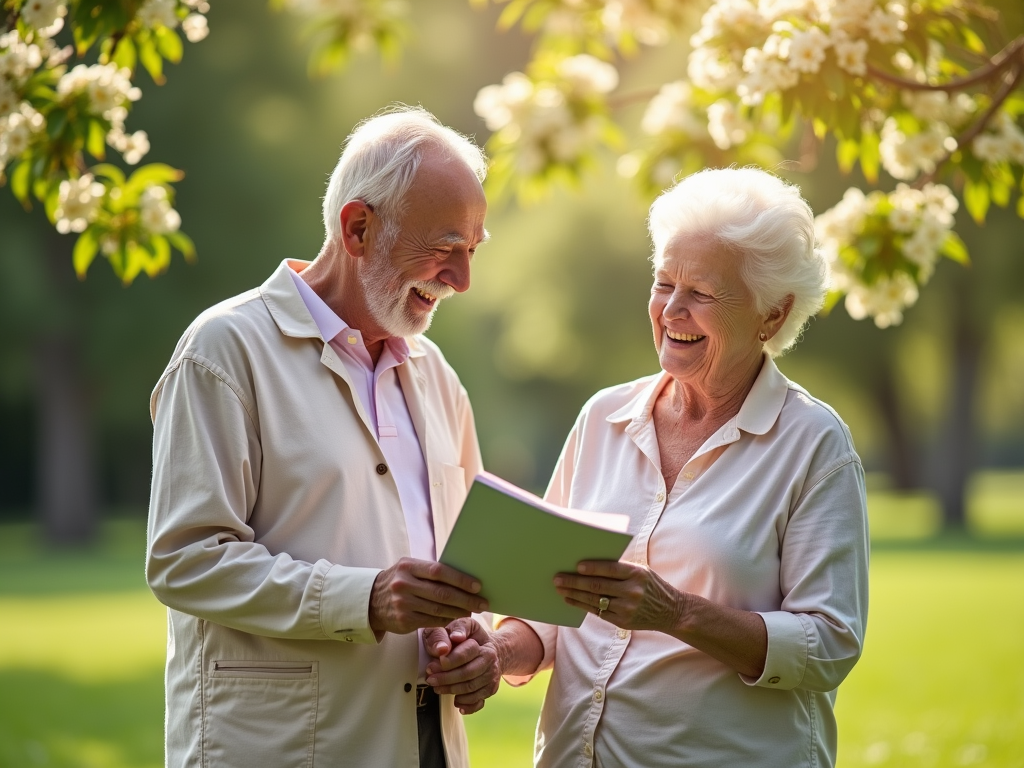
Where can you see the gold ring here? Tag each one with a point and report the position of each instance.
(602, 605)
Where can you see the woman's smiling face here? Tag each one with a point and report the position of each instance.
(703, 316)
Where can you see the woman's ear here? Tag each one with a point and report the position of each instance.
(777, 316)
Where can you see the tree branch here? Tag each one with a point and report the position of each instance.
(1009, 84)
(1005, 58)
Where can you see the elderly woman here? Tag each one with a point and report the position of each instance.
(721, 636)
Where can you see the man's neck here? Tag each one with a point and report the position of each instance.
(332, 277)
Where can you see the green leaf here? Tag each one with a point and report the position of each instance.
(956, 249)
(125, 54)
(977, 199)
(109, 171)
(56, 122)
(96, 142)
(846, 154)
(168, 44)
(510, 15)
(971, 39)
(52, 199)
(161, 256)
(20, 178)
(151, 60)
(184, 243)
(1000, 193)
(148, 175)
(85, 251)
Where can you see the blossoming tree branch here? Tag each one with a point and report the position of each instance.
(930, 92)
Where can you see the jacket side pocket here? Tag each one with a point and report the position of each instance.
(259, 713)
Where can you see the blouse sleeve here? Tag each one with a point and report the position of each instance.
(816, 637)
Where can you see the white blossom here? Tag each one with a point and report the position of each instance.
(709, 70)
(807, 50)
(672, 110)
(725, 124)
(107, 86)
(78, 203)
(199, 6)
(850, 56)
(18, 59)
(884, 301)
(158, 13)
(44, 16)
(885, 26)
(586, 75)
(132, 146)
(765, 74)
(155, 211)
(18, 129)
(903, 157)
(636, 17)
(195, 27)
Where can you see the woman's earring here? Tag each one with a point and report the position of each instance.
(762, 336)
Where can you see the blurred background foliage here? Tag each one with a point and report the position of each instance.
(556, 311)
(557, 308)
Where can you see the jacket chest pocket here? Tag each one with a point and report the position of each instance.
(259, 713)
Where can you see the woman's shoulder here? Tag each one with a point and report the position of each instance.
(610, 400)
(812, 417)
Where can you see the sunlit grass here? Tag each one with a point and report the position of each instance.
(941, 682)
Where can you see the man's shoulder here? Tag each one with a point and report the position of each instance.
(227, 325)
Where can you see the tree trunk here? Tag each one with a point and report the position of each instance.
(66, 487)
(955, 456)
(901, 455)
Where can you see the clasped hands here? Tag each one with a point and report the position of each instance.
(467, 659)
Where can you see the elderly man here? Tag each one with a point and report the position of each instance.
(311, 452)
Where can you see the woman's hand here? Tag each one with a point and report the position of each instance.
(638, 598)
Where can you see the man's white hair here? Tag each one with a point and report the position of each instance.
(380, 158)
(766, 221)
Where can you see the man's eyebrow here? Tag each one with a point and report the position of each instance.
(455, 238)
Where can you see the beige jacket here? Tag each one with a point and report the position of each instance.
(272, 512)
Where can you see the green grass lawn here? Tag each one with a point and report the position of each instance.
(941, 682)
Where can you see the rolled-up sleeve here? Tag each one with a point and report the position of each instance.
(202, 557)
(817, 636)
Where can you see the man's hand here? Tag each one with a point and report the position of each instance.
(466, 663)
(419, 593)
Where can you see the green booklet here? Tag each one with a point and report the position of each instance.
(515, 543)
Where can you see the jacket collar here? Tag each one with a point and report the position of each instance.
(757, 415)
(289, 311)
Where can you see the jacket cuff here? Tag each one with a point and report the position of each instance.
(548, 635)
(345, 604)
(786, 662)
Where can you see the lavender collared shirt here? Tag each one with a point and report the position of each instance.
(380, 391)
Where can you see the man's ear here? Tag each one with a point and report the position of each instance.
(355, 222)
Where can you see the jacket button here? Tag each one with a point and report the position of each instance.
(382, 469)
(408, 687)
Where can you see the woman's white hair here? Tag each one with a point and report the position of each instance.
(766, 221)
(380, 158)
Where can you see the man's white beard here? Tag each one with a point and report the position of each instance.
(387, 297)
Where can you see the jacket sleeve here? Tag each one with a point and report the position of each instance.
(202, 557)
(817, 636)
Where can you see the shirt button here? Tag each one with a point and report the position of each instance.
(598, 695)
(622, 634)
(660, 497)
(588, 750)
(352, 339)
(774, 680)
(407, 687)
(382, 469)
(348, 639)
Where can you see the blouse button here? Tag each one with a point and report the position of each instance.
(382, 469)
(622, 634)
(660, 497)
(774, 680)
(588, 750)
(688, 476)
(598, 695)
